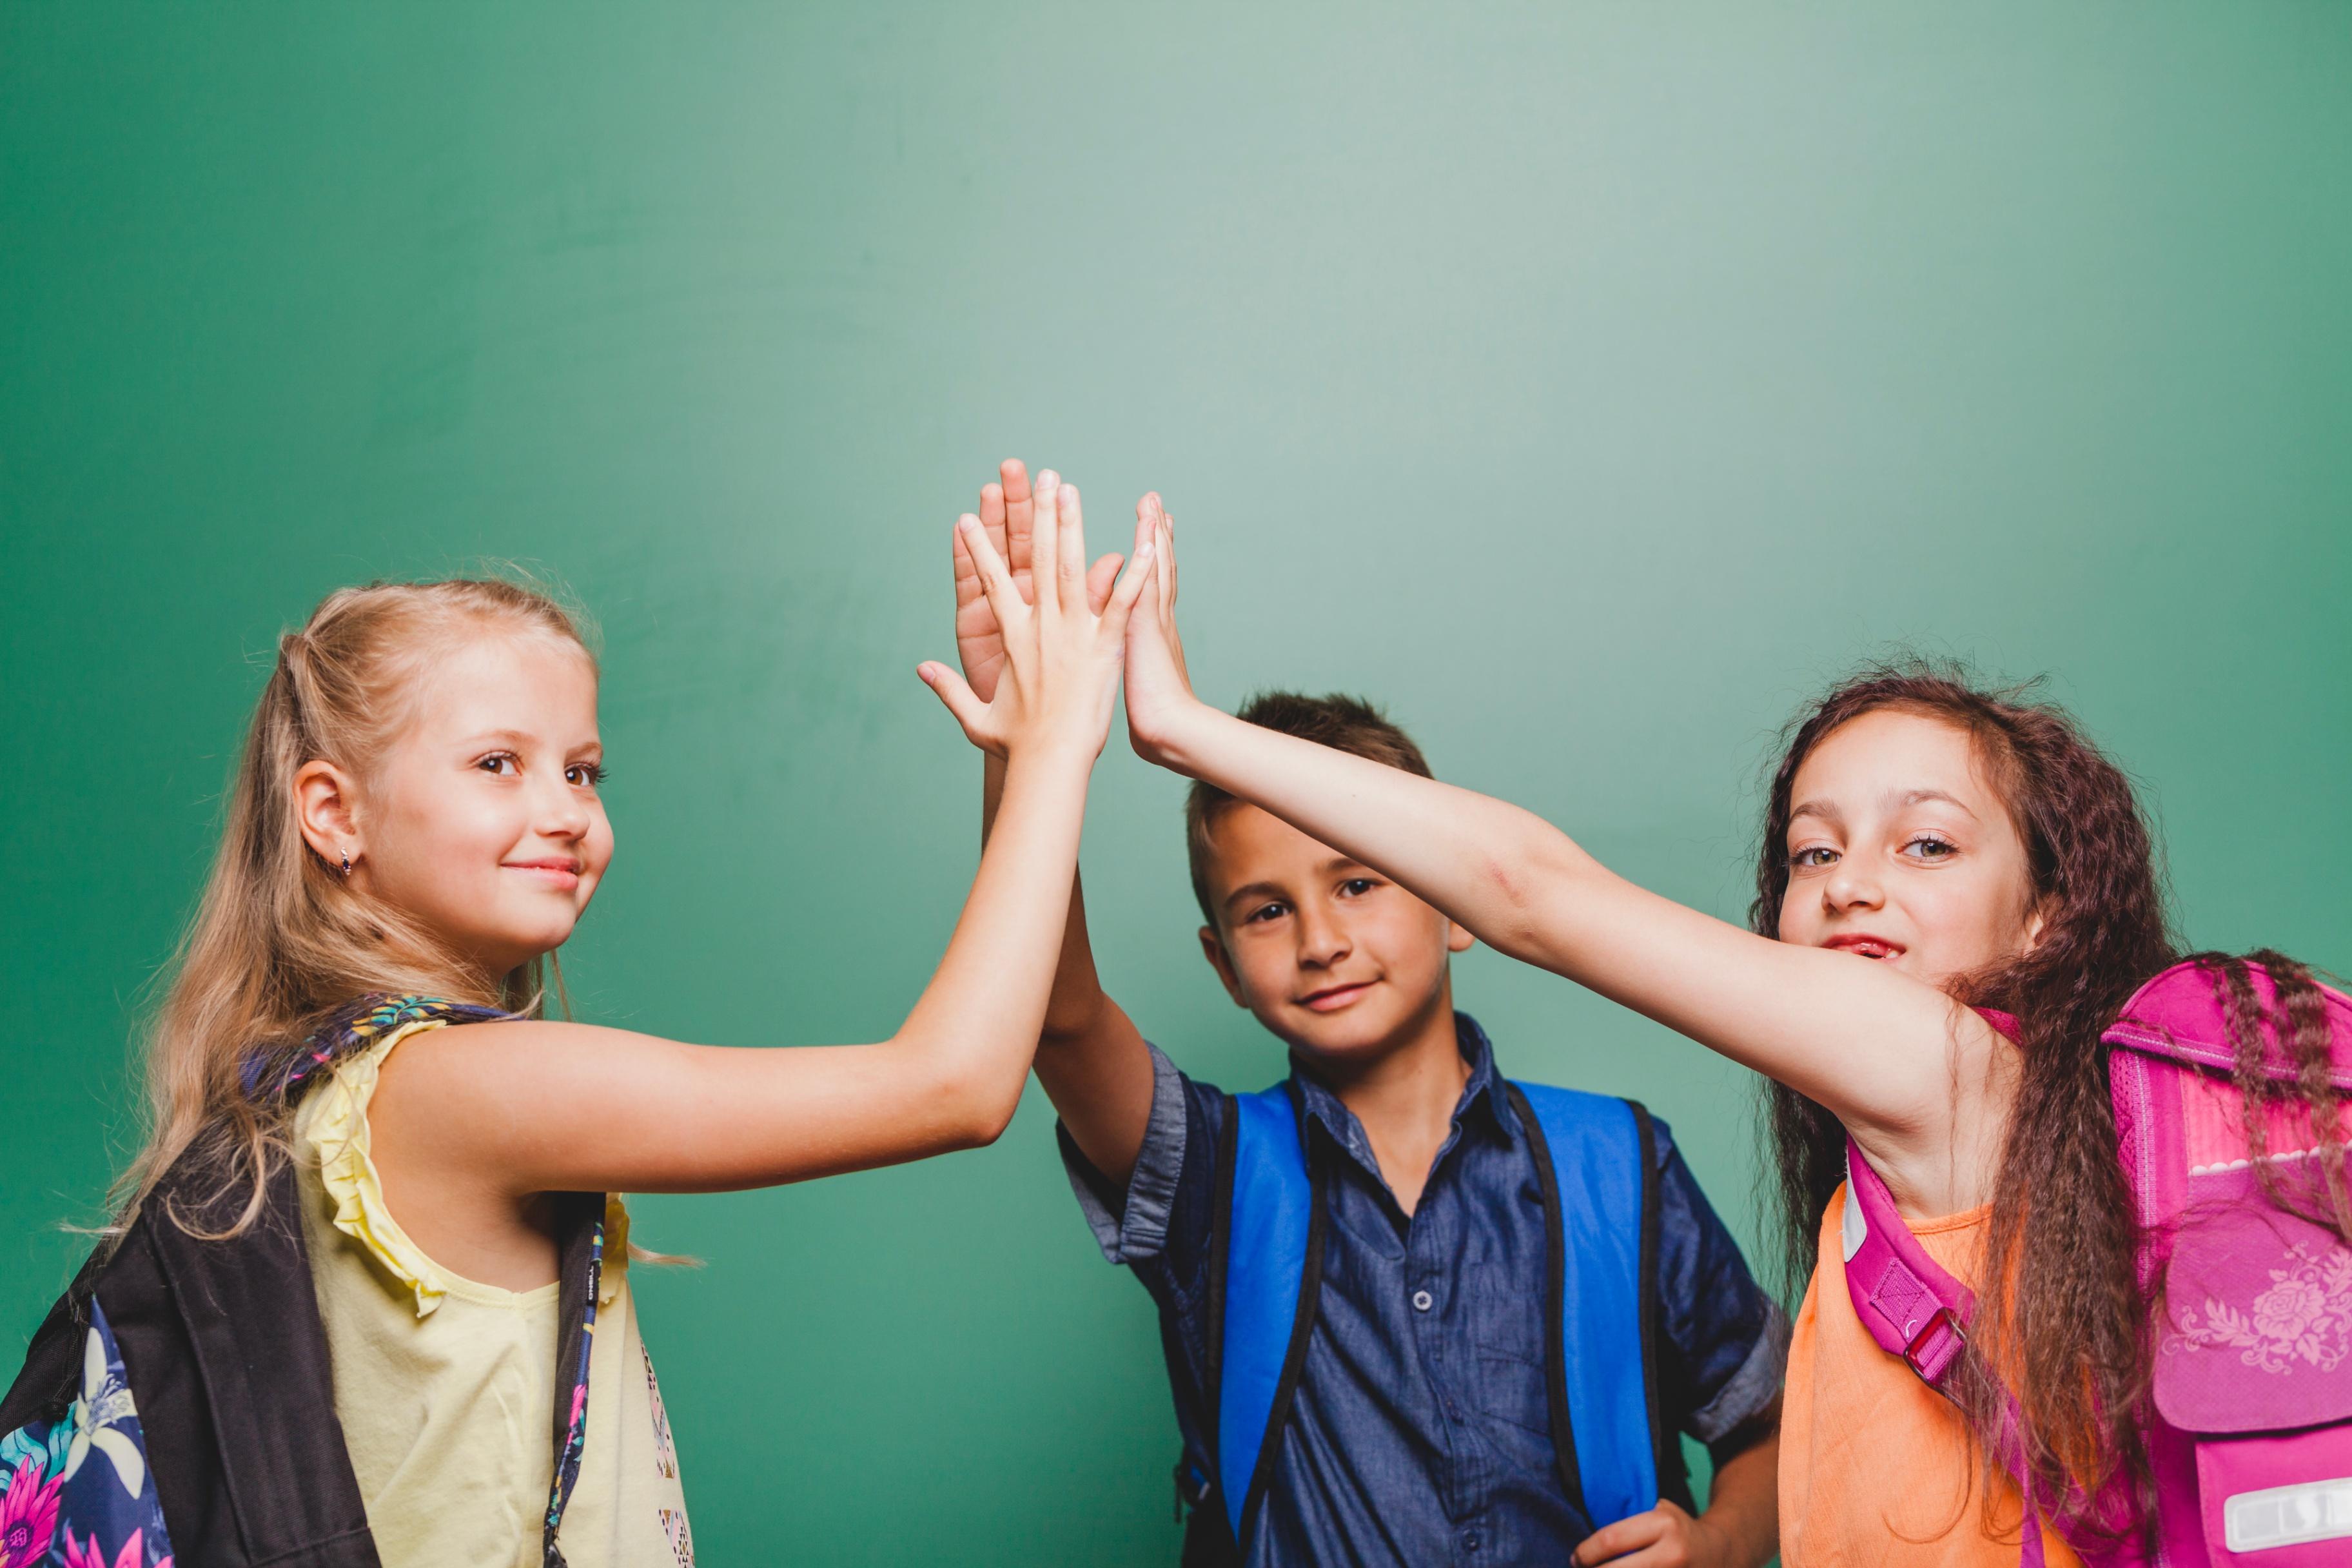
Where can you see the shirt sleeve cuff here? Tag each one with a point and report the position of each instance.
(1132, 1226)
(1752, 1388)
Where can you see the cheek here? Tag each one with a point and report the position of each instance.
(1798, 918)
(458, 840)
(1969, 922)
(597, 847)
(1263, 966)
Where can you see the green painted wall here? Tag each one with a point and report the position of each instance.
(1588, 382)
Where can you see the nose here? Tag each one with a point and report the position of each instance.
(1850, 888)
(559, 812)
(1322, 940)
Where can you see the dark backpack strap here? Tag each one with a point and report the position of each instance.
(1208, 1534)
(1674, 1475)
(580, 1240)
(227, 1357)
(1563, 1434)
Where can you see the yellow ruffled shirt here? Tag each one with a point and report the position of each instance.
(446, 1386)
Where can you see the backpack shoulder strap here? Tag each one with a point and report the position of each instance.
(1911, 1305)
(245, 1365)
(580, 1245)
(1271, 1281)
(1598, 1182)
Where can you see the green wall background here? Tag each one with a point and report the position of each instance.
(1588, 383)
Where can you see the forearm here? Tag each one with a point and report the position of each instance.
(1090, 1058)
(976, 1024)
(1485, 864)
(1743, 1506)
(1077, 997)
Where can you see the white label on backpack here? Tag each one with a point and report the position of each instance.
(2288, 1516)
(1854, 1228)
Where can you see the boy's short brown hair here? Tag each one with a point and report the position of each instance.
(1347, 724)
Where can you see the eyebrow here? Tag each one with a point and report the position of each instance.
(1914, 797)
(1269, 891)
(1825, 810)
(1828, 812)
(525, 738)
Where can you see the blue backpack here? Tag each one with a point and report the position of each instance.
(1598, 1179)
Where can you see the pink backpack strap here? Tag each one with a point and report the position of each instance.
(1912, 1305)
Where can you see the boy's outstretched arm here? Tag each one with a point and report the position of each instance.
(1090, 1056)
(1873, 1045)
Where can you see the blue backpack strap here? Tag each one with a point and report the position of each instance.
(1595, 1170)
(1268, 1273)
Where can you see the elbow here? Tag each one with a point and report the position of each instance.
(972, 1112)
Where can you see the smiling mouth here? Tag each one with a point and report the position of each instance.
(1335, 997)
(1866, 946)
(560, 873)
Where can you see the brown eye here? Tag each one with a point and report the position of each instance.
(1931, 847)
(1812, 859)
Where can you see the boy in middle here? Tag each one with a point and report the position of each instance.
(1412, 1312)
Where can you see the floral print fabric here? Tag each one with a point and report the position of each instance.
(79, 1494)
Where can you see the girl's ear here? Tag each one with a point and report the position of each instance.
(325, 804)
(1458, 937)
(2035, 922)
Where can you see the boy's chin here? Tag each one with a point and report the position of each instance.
(1348, 1039)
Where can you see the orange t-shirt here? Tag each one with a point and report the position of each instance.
(1877, 1467)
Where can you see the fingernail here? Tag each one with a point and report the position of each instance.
(1048, 479)
(969, 524)
(1070, 493)
(1143, 556)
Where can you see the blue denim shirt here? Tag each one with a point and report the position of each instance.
(1421, 1435)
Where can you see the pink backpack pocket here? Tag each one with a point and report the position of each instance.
(2253, 1444)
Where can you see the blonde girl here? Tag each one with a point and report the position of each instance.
(353, 1069)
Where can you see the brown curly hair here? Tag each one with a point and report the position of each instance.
(2071, 1330)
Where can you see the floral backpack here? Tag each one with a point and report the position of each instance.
(2251, 1439)
(177, 1402)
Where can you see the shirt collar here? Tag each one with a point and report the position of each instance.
(1483, 1102)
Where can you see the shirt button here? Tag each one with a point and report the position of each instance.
(1423, 1300)
(1470, 1542)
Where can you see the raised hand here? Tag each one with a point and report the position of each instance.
(1007, 516)
(1159, 687)
(1051, 657)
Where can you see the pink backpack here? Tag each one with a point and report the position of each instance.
(2251, 1438)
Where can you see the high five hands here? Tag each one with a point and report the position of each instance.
(1017, 527)
(1041, 636)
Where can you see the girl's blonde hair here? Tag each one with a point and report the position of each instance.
(279, 940)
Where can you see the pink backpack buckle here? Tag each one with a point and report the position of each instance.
(1936, 1346)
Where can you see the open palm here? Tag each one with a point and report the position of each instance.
(1008, 512)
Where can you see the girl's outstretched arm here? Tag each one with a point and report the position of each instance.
(1895, 1058)
(521, 1108)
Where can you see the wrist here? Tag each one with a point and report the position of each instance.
(1171, 737)
(1047, 754)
